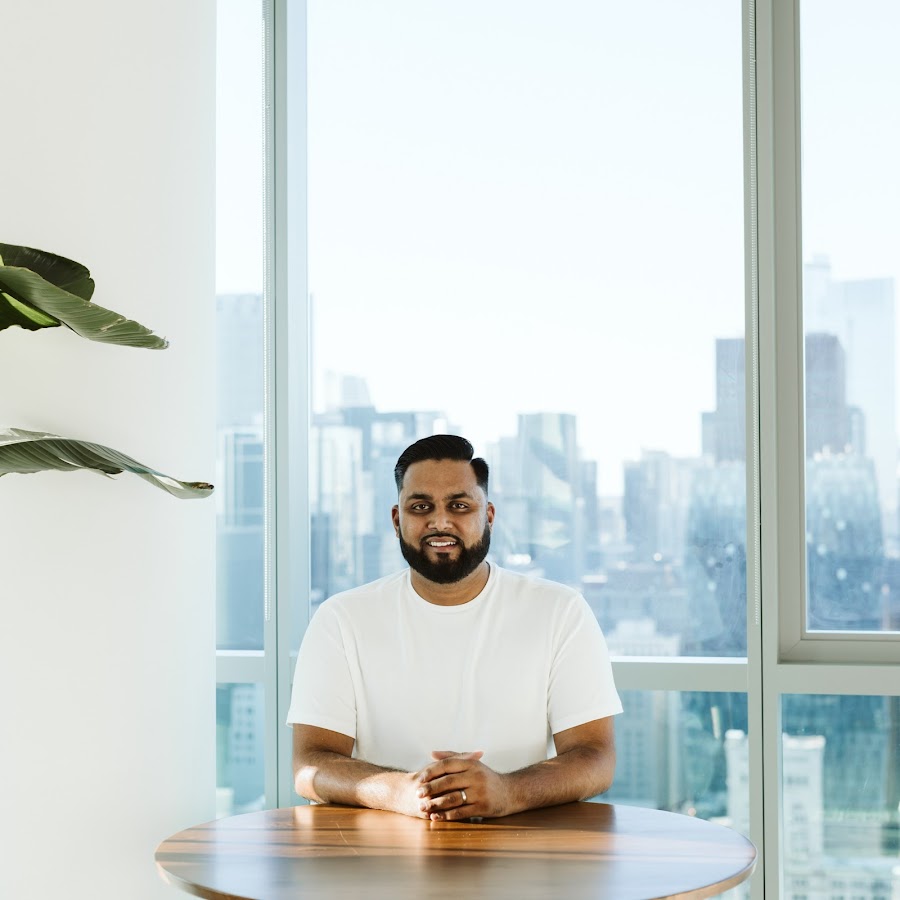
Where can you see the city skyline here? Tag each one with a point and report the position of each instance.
(684, 513)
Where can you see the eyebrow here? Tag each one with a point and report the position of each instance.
(457, 496)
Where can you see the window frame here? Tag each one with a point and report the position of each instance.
(793, 660)
(781, 352)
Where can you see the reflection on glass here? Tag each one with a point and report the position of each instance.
(500, 247)
(840, 790)
(850, 74)
(240, 748)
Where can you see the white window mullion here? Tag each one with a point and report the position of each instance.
(782, 563)
(272, 411)
(240, 666)
(290, 374)
(753, 674)
(724, 674)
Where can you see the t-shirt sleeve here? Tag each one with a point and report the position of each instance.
(581, 679)
(323, 693)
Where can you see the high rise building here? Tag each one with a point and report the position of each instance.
(844, 544)
(548, 495)
(715, 564)
(655, 504)
(628, 592)
(647, 734)
(341, 507)
(353, 450)
(827, 415)
(860, 313)
(240, 726)
(821, 857)
(239, 476)
(240, 369)
(724, 430)
(239, 538)
(844, 534)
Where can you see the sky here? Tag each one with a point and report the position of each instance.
(521, 206)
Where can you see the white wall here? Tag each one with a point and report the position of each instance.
(107, 669)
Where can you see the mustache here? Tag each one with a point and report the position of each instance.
(440, 534)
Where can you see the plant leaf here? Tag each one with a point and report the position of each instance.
(65, 273)
(14, 313)
(86, 319)
(26, 452)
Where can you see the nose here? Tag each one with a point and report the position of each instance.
(439, 520)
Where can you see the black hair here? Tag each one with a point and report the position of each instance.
(441, 446)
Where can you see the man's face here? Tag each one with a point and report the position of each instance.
(443, 520)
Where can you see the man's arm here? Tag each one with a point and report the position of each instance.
(325, 773)
(583, 767)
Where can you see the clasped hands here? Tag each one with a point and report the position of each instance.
(459, 786)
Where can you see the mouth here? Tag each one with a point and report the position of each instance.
(440, 542)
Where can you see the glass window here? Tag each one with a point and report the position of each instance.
(239, 326)
(840, 789)
(850, 73)
(526, 233)
(684, 752)
(240, 748)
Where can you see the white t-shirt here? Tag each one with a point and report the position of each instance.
(523, 660)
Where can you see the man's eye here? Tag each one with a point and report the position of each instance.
(460, 505)
(419, 507)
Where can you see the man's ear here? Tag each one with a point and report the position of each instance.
(395, 518)
(490, 513)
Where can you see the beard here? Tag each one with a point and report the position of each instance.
(446, 570)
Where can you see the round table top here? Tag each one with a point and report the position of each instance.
(577, 850)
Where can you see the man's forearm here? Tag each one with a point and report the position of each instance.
(577, 774)
(328, 777)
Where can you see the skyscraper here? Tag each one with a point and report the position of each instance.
(844, 535)
(860, 313)
(827, 415)
(240, 471)
(541, 478)
(353, 449)
(844, 544)
(725, 429)
(655, 504)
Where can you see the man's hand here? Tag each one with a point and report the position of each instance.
(460, 786)
(325, 772)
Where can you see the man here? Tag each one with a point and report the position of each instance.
(434, 692)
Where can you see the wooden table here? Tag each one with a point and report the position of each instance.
(578, 850)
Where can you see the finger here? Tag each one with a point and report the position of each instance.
(450, 800)
(448, 766)
(440, 785)
(461, 812)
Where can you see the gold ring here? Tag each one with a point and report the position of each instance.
(465, 798)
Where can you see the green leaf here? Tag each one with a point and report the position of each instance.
(33, 318)
(65, 273)
(26, 452)
(86, 319)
